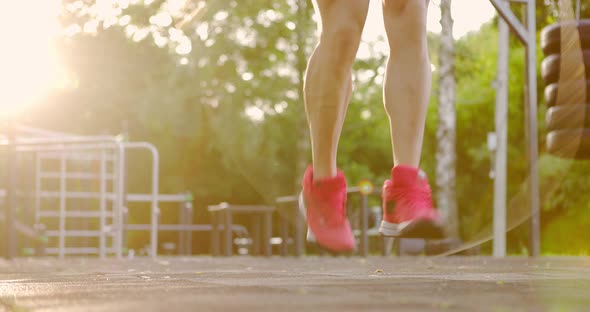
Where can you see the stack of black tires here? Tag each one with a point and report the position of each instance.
(568, 116)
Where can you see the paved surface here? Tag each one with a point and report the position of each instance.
(306, 284)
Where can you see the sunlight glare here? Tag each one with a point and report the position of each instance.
(28, 57)
(468, 15)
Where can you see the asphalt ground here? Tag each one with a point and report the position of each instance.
(296, 284)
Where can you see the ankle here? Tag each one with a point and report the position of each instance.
(404, 175)
(323, 173)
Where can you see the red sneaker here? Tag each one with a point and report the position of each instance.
(323, 203)
(407, 206)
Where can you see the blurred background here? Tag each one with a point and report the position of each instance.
(217, 87)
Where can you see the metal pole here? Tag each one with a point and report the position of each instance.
(119, 209)
(62, 206)
(227, 233)
(267, 234)
(11, 189)
(189, 234)
(257, 242)
(503, 9)
(501, 121)
(155, 192)
(155, 210)
(215, 221)
(364, 248)
(284, 228)
(37, 189)
(535, 241)
(103, 205)
(299, 232)
(183, 229)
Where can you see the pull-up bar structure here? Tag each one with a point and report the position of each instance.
(526, 32)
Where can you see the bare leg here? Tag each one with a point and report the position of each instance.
(328, 83)
(408, 77)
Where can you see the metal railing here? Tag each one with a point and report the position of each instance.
(110, 151)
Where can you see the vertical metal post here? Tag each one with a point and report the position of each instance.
(37, 188)
(62, 205)
(299, 232)
(364, 243)
(214, 245)
(532, 142)
(102, 206)
(257, 241)
(182, 222)
(119, 208)
(124, 184)
(284, 234)
(155, 210)
(501, 125)
(189, 234)
(387, 243)
(267, 234)
(529, 38)
(11, 196)
(227, 237)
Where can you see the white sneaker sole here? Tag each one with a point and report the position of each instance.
(425, 229)
(303, 211)
(392, 229)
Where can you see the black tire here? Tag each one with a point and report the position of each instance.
(551, 36)
(552, 90)
(568, 117)
(570, 143)
(551, 65)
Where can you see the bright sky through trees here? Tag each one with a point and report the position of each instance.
(30, 66)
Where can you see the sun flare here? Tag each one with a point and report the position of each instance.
(28, 60)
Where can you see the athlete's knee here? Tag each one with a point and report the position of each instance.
(405, 21)
(342, 39)
(404, 8)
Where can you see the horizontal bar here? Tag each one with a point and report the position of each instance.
(162, 198)
(170, 227)
(75, 175)
(75, 233)
(60, 147)
(182, 228)
(66, 140)
(515, 25)
(75, 195)
(65, 147)
(76, 250)
(74, 156)
(171, 198)
(356, 189)
(287, 199)
(240, 208)
(76, 214)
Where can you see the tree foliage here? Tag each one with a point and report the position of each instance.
(216, 86)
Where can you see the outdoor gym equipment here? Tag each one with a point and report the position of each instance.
(551, 36)
(568, 117)
(551, 65)
(551, 92)
(566, 67)
(46, 202)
